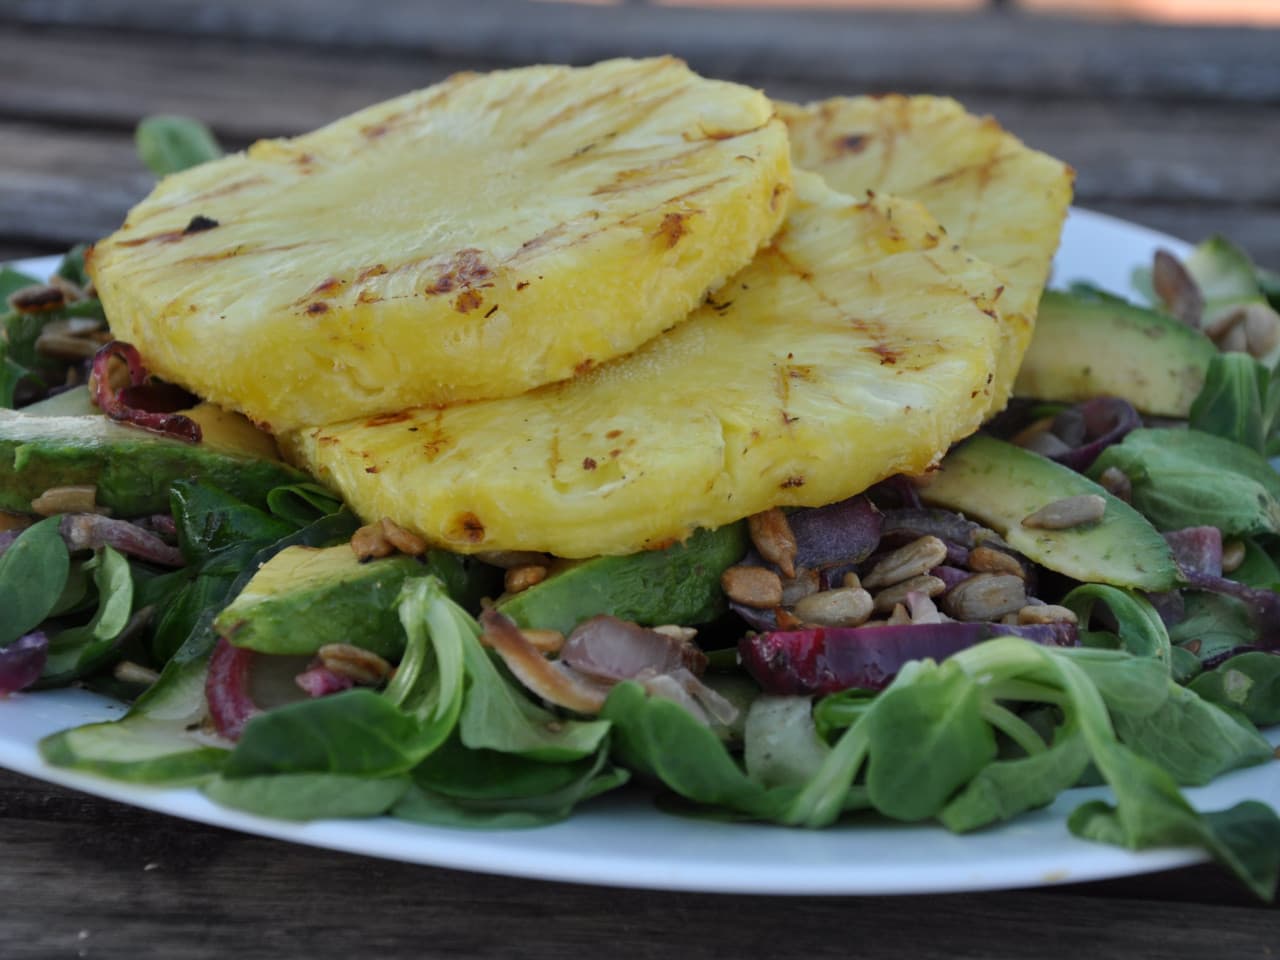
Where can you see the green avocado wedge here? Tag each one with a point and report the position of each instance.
(1092, 346)
(306, 597)
(132, 469)
(999, 484)
(680, 584)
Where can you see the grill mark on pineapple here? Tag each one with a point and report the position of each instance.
(464, 269)
(241, 251)
(466, 527)
(225, 190)
(635, 114)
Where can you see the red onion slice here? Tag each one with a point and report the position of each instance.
(606, 648)
(88, 531)
(321, 681)
(22, 662)
(132, 404)
(822, 661)
(227, 689)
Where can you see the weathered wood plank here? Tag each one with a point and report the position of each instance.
(1121, 150)
(90, 877)
(975, 53)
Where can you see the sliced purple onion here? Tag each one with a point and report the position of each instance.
(88, 531)
(756, 618)
(22, 662)
(227, 689)
(844, 532)
(1197, 549)
(1105, 421)
(1264, 605)
(951, 528)
(606, 648)
(7, 537)
(950, 575)
(143, 403)
(828, 660)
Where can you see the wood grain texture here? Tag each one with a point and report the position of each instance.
(148, 883)
(67, 169)
(976, 52)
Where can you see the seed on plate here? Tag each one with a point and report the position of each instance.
(890, 597)
(1177, 289)
(804, 583)
(1233, 552)
(61, 346)
(371, 543)
(1117, 483)
(898, 616)
(988, 560)
(1223, 323)
(910, 560)
(985, 596)
(752, 586)
(126, 671)
(356, 663)
(519, 579)
(1261, 329)
(403, 540)
(675, 631)
(71, 292)
(545, 641)
(850, 579)
(842, 607)
(774, 539)
(922, 608)
(1031, 431)
(1047, 445)
(37, 298)
(1067, 513)
(79, 498)
(1045, 613)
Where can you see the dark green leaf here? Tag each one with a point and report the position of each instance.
(1231, 404)
(210, 520)
(171, 144)
(1191, 739)
(927, 738)
(72, 265)
(1258, 568)
(1213, 625)
(1138, 627)
(302, 503)
(33, 573)
(309, 796)
(1248, 683)
(1006, 788)
(77, 650)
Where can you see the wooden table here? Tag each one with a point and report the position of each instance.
(1177, 129)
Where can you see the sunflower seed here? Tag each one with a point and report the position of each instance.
(81, 498)
(804, 583)
(1045, 613)
(890, 597)
(403, 540)
(987, 560)
(985, 596)
(1233, 552)
(1067, 513)
(843, 607)
(911, 560)
(752, 586)
(356, 663)
(519, 579)
(1117, 483)
(774, 539)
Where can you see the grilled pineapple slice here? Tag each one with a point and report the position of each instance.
(475, 239)
(858, 344)
(1003, 201)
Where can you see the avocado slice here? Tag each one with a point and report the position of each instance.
(680, 585)
(1088, 346)
(56, 444)
(306, 597)
(1000, 484)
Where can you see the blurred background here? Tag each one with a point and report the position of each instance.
(1168, 109)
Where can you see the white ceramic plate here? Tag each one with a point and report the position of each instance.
(622, 840)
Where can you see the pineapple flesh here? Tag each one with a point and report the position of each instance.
(1004, 202)
(472, 240)
(858, 344)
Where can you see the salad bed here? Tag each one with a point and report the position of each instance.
(1153, 696)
